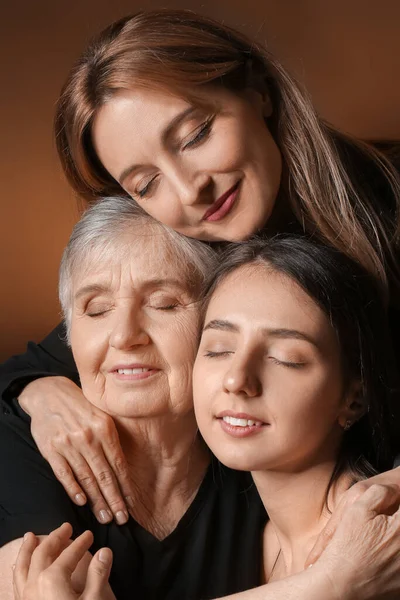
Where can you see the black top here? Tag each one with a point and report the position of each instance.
(215, 550)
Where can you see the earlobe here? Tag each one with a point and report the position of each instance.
(354, 408)
(267, 105)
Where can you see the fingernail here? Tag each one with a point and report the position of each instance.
(80, 499)
(121, 517)
(309, 566)
(26, 536)
(129, 501)
(105, 516)
(13, 567)
(104, 556)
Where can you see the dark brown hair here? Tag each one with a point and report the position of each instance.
(183, 52)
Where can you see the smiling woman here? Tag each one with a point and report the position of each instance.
(295, 381)
(129, 289)
(209, 158)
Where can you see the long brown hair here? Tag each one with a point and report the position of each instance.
(326, 175)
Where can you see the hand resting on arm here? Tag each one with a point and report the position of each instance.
(81, 444)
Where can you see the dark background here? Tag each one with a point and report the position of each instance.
(346, 52)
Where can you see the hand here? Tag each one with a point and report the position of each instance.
(348, 498)
(362, 560)
(81, 444)
(45, 572)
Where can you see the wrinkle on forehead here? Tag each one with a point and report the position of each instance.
(143, 247)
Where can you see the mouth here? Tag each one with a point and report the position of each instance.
(222, 206)
(134, 372)
(240, 424)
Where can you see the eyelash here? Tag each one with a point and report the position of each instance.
(292, 365)
(202, 134)
(167, 307)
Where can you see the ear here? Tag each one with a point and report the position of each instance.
(354, 406)
(260, 101)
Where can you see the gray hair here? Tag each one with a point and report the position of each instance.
(98, 230)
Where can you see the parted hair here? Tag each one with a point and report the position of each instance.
(184, 52)
(353, 302)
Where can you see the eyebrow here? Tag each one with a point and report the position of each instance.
(166, 133)
(98, 288)
(90, 289)
(282, 333)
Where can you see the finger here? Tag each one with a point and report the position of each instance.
(70, 557)
(106, 469)
(98, 573)
(22, 564)
(87, 479)
(378, 499)
(49, 549)
(65, 476)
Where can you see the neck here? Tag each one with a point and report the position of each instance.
(298, 509)
(167, 460)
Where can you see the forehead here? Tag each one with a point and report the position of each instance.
(256, 295)
(140, 254)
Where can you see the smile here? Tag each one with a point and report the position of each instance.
(222, 206)
(240, 425)
(241, 422)
(134, 372)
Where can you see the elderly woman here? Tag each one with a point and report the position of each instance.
(128, 288)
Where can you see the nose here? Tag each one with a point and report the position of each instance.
(128, 330)
(242, 378)
(193, 188)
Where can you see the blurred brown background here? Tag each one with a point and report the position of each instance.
(345, 51)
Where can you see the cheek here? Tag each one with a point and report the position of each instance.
(89, 346)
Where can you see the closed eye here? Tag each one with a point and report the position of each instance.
(285, 363)
(146, 189)
(211, 354)
(201, 134)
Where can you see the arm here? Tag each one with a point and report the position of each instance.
(50, 357)
(79, 441)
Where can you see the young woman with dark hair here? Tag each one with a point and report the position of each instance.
(210, 135)
(295, 381)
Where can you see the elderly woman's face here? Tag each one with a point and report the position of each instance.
(134, 330)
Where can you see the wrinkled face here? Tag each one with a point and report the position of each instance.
(211, 174)
(268, 387)
(134, 330)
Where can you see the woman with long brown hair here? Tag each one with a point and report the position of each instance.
(211, 136)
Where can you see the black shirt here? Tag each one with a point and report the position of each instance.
(215, 550)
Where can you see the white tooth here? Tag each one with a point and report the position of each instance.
(241, 422)
(131, 371)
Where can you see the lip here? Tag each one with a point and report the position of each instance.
(237, 431)
(239, 415)
(149, 372)
(222, 206)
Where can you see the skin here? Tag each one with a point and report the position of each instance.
(126, 311)
(269, 352)
(189, 157)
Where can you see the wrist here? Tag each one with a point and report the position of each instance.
(35, 390)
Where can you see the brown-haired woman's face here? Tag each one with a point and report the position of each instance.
(209, 173)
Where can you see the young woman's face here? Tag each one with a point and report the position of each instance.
(268, 387)
(211, 174)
